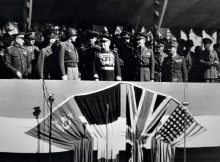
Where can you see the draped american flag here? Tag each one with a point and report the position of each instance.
(178, 127)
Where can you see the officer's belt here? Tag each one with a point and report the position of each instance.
(106, 68)
(71, 64)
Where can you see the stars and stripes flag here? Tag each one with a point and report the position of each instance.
(134, 113)
(178, 127)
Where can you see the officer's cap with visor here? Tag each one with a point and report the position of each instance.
(105, 37)
(207, 41)
(126, 35)
(19, 35)
(91, 33)
(30, 36)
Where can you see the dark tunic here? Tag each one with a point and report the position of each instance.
(86, 60)
(16, 59)
(106, 66)
(127, 62)
(174, 69)
(48, 64)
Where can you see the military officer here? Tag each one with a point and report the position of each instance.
(68, 56)
(209, 61)
(34, 52)
(159, 58)
(47, 64)
(106, 63)
(17, 59)
(87, 55)
(174, 66)
(127, 60)
(144, 58)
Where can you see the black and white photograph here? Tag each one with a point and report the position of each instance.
(109, 80)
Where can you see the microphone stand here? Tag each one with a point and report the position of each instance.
(51, 100)
(185, 104)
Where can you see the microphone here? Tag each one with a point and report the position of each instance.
(51, 97)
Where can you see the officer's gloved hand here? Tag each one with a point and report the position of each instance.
(19, 75)
(64, 77)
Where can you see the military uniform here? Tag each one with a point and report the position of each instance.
(16, 59)
(210, 72)
(47, 64)
(174, 69)
(127, 62)
(159, 58)
(106, 66)
(86, 60)
(145, 64)
(34, 52)
(68, 61)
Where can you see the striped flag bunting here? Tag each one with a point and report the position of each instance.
(121, 117)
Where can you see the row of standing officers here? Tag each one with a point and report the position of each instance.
(91, 61)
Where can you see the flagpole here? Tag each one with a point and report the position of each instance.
(107, 114)
(185, 104)
(51, 100)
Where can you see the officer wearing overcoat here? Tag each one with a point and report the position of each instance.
(87, 55)
(47, 64)
(17, 59)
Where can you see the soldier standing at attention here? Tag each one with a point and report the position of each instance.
(159, 58)
(127, 60)
(209, 61)
(87, 55)
(144, 58)
(17, 59)
(68, 56)
(34, 52)
(47, 64)
(106, 63)
(174, 66)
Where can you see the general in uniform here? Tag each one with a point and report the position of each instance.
(87, 55)
(17, 59)
(144, 59)
(209, 61)
(47, 64)
(106, 63)
(174, 66)
(68, 57)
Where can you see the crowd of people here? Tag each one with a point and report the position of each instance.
(70, 53)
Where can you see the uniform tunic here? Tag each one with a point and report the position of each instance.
(174, 69)
(47, 64)
(68, 61)
(86, 59)
(159, 58)
(127, 62)
(16, 59)
(106, 66)
(145, 64)
(207, 59)
(34, 52)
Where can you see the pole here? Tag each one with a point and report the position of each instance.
(51, 100)
(107, 114)
(162, 15)
(185, 104)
